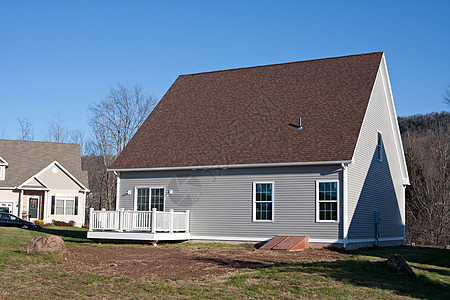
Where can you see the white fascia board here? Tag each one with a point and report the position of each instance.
(41, 182)
(55, 163)
(263, 165)
(7, 188)
(71, 176)
(394, 121)
(3, 162)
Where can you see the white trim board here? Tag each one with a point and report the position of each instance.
(55, 163)
(3, 162)
(287, 164)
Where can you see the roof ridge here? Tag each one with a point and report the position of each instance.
(43, 142)
(285, 63)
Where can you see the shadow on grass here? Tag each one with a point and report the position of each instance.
(359, 273)
(422, 255)
(67, 234)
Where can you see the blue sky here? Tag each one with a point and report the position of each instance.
(62, 56)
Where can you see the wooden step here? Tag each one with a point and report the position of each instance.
(289, 243)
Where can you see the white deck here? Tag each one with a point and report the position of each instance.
(138, 225)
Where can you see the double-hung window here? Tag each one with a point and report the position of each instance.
(263, 201)
(380, 147)
(327, 201)
(148, 198)
(64, 205)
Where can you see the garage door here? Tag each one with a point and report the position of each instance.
(6, 207)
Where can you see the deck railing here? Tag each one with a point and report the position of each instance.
(127, 220)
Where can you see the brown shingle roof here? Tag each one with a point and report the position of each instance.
(27, 158)
(241, 116)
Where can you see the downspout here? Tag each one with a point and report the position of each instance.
(344, 204)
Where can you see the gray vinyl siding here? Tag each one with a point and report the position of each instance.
(374, 185)
(221, 201)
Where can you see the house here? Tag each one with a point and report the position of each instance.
(309, 148)
(42, 181)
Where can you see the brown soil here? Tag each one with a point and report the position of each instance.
(183, 262)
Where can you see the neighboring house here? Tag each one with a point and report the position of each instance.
(42, 181)
(228, 146)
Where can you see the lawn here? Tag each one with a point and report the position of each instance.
(91, 270)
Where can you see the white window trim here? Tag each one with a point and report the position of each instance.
(317, 201)
(380, 148)
(2, 172)
(254, 201)
(65, 198)
(149, 195)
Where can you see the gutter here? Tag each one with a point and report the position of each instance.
(263, 165)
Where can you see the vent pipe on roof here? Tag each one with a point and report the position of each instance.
(299, 124)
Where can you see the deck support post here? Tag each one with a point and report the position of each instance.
(171, 221)
(91, 214)
(121, 220)
(154, 220)
(187, 221)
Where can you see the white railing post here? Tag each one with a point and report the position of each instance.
(121, 220)
(91, 218)
(154, 220)
(187, 221)
(171, 221)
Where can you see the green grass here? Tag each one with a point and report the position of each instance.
(362, 274)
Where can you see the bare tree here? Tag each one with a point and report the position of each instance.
(57, 131)
(25, 129)
(113, 122)
(77, 136)
(428, 198)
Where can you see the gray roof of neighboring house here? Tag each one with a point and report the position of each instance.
(27, 158)
(249, 115)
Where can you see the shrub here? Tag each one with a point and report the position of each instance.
(62, 223)
(39, 223)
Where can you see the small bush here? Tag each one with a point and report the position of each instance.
(62, 223)
(39, 223)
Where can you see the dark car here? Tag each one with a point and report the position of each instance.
(13, 221)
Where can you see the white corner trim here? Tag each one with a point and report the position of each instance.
(118, 190)
(345, 216)
(287, 164)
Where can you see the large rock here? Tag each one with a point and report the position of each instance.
(46, 243)
(398, 263)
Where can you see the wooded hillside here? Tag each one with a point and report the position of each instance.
(426, 142)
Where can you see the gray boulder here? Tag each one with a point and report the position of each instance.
(46, 243)
(398, 263)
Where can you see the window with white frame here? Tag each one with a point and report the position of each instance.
(263, 201)
(380, 147)
(2, 172)
(148, 198)
(327, 201)
(64, 205)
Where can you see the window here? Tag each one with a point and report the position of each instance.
(327, 201)
(380, 147)
(263, 201)
(64, 205)
(149, 198)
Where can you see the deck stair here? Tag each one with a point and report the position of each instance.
(289, 243)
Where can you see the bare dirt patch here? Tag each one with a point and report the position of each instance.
(183, 262)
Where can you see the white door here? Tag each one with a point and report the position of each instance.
(33, 208)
